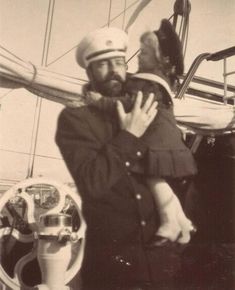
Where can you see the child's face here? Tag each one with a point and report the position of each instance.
(147, 58)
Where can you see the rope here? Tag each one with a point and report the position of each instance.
(8, 180)
(109, 14)
(171, 17)
(75, 46)
(12, 60)
(26, 153)
(133, 55)
(184, 18)
(187, 30)
(121, 13)
(65, 53)
(7, 93)
(61, 74)
(11, 53)
(34, 141)
(186, 40)
(180, 29)
(38, 108)
(47, 36)
(124, 16)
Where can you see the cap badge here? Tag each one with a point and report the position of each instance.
(109, 43)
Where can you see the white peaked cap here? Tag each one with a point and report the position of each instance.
(101, 44)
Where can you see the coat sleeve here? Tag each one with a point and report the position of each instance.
(95, 165)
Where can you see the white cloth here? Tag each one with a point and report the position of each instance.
(204, 116)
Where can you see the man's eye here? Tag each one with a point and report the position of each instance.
(102, 64)
(120, 63)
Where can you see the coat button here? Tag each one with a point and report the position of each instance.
(143, 223)
(127, 164)
(138, 196)
(122, 261)
(138, 153)
(184, 181)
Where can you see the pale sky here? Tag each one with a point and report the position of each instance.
(22, 29)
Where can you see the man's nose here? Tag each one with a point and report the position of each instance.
(113, 67)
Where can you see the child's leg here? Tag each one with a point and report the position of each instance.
(174, 224)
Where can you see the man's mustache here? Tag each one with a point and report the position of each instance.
(114, 77)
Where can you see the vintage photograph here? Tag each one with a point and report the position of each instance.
(117, 145)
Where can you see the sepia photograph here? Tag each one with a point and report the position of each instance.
(117, 145)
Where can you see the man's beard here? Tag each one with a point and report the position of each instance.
(112, 87)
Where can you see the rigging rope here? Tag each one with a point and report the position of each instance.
(12, 60)
(111, 20)
(26, 153)
(187, 28)
(124, 16)
(133, 56)
(61, 56)
(186, 40)
(7, 93)
(109, 14)
(34, 137)
(38, 108)
(47, 36)
(8, 51)
(171, 17)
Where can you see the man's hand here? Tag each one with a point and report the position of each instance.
(137, 121)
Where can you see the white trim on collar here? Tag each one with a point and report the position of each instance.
(154, 78)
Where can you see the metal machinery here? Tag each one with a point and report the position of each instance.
(38, 214)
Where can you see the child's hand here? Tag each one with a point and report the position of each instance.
(137, 121)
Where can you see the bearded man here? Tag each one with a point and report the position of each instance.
(100, 151)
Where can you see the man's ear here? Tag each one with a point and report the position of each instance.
(89, 73)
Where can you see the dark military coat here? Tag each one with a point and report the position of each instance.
(119, 209)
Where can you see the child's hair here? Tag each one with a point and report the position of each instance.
(168, 49)
(149, 38)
